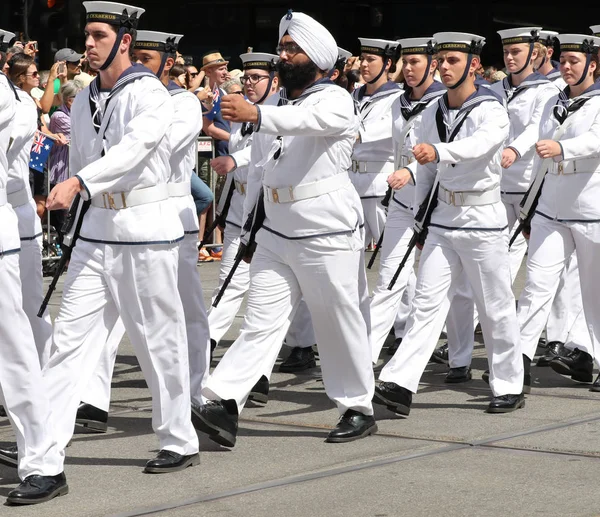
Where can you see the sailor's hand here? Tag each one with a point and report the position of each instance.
(399, 178)
(222, 165)
(237, 109)
(548, 149)
(424, 153)
(62, 195)
(508, 158)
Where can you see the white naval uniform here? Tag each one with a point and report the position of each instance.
(183, 133)
(21, 385)
(567, 220)
(30, 226)
(125, 262)
(311, 247)
(220, 318)
(372, 157)
(470, 239)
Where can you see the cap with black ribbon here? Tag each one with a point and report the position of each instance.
(583, 43)
(470, 44)
(379, 47)
(548, 39)
(163, 42)
(261, 61)
(422, 46)
(124, 17)
(527, 35)
(5, 38)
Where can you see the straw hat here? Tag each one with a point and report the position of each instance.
(213, 59)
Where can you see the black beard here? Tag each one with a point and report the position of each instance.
(296, 77)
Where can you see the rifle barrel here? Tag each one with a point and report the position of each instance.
(410, 247)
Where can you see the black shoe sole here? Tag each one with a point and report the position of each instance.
(439, 360)
(563, 369)
(190, 462)
(595, 389)
(394, 407)
(63, 490)
(510, 409)
(458, 380)
(295, 369)
(365, 433)
(92, 425)
(261, 398)
(9, 462)
(214, 433)
(543, 361)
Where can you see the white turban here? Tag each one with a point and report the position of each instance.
(313, 38)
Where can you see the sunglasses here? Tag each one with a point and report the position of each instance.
(194, 74)
(33, 74)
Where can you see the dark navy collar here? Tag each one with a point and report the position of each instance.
(383, 91)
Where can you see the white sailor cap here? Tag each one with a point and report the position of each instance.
(5, 39)
(343, 54)
(379, 47)
(417, 45)
(578, 43)
(259, 60)
(520, 35)
(120, 15)
(595, 29)
(548, 38)
(159, 41)
(459, 42)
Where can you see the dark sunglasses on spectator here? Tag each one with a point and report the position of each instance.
(33, 74)
(193, 74)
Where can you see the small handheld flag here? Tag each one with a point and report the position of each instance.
(40, 151)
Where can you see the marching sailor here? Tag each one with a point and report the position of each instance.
(21, 200)
(125, 262)
(24, 396)
(567, 218)
(459, 153)
(310, 244)
(372, 157)
(544, 64)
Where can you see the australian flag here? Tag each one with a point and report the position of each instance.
(40, 150)
(210, 115)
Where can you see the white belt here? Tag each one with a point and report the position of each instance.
(19, 198)
(179, 189)
(120, 200)
(584, 165)
(3, 197)
(374, 167)
(469, 197)
(240, 187)
(306, 190)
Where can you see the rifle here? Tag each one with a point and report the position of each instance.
(246, 250)
(384, 202)
(222, 211)
(70, 229)
(527, 213)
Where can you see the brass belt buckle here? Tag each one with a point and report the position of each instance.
(291, 189)
(123, 200)
(560, 168)
(275, 195)
(108, 200)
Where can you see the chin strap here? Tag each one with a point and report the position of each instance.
(588, 48)
(588, 60)
(464, 75)
(266, 94)
(386, 57)
(126, 23)
(532, 40)
(430, 53)
(170, 50)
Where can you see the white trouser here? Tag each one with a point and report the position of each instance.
(21, 385)
(550, 246)
(374, 214)
(139, 284)
(405, 304)
(512, 205)
(32, 281)
(460, 325)
(221, 317)
(326, 272)
(483, 257)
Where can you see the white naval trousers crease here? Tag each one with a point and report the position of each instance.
(551, 244)
(375, 216)
(221, 317)
(32, 281)
(326, 272)
(139, 283)
(21, 385)
(483, 257)
(512, 205)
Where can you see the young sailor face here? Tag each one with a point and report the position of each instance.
(99, 41)
(452, 66)
(370, 66)
(414, 67)
(255, 83)
(572, 66)
(515, 56)
(542, 52)
(151, 59)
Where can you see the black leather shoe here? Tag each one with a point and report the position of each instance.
(577, 364)
(394, 346)
(91, 418)
(596, 385)
(9, 456)
(260, 392)
(352, 426)
(554, 349)
(440, 355)
(506, 403)
(396, 398)
(38, 489)
(218, 419)
(485, 377)
(300, 359)
(457, 375)
(169, 461)
(2, 411)
(213, 345)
